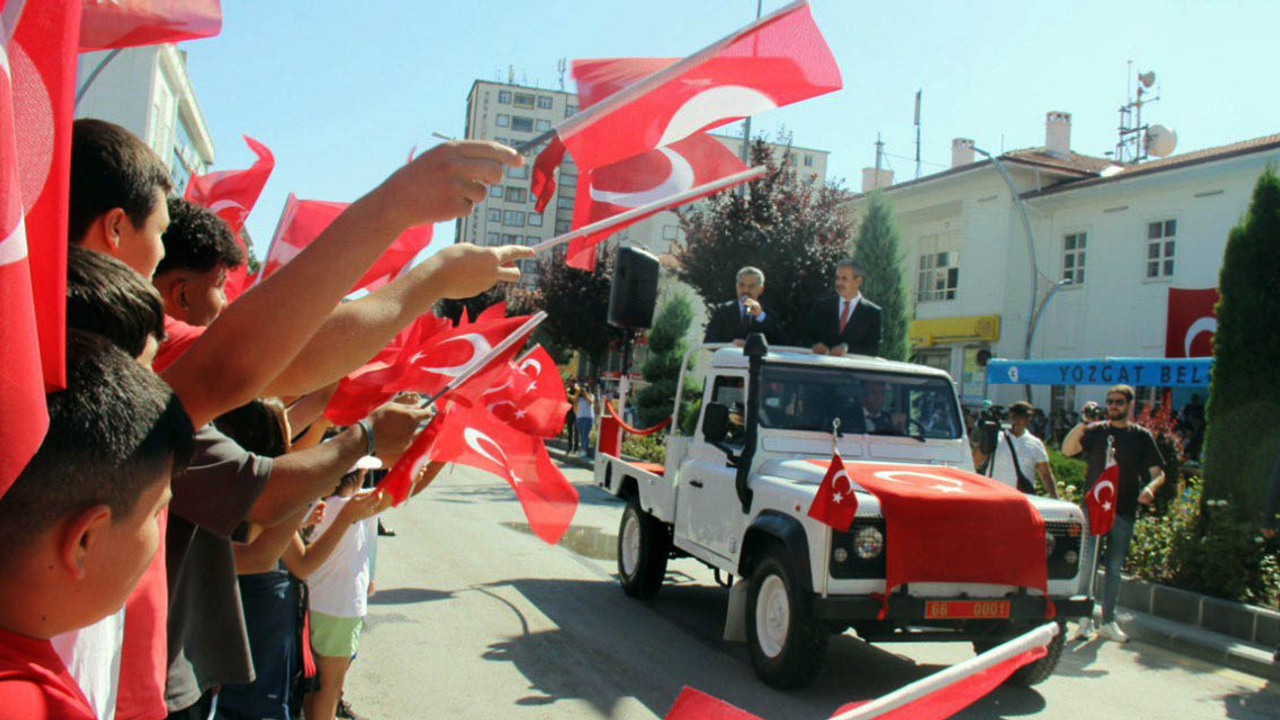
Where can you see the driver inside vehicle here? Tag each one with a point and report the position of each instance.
(867, 414)
(737, 431)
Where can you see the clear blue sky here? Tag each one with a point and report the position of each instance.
(341, 91)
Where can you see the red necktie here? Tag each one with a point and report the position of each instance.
(844, 314)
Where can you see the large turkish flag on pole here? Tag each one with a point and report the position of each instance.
(231, 195)
(778, 60)
(652, 176)
(1193, 321)
(126, 23)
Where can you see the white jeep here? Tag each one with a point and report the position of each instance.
(735, 495)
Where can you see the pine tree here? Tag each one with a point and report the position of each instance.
(1243, 437)
(666, 351)
(878, 250)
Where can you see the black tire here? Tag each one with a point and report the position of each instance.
(642, 565)
(1038, 671)
(787, 644)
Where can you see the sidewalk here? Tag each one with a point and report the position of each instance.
(1197, 642)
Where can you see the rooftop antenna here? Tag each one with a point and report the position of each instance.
(1138, 142)
(917, 118)
(561, 66)
(511, 74)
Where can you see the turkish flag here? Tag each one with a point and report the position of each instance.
(835, 503)
(23, 417)
(1193, 320)
(696, 705)
(777, 60)
(542, 184)
(954, 696)
(927, 508)
(301, 223)
(474, 437)
(1100, 500)
(527, 394)
(126, 23)
(231, 195)
(641, 180)
(431, 362)
(374, 383)
(42, 61)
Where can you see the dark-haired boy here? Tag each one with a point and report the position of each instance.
(79, 525)
(199, 251)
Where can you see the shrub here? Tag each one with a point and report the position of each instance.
(1069, 472)
(646, 448)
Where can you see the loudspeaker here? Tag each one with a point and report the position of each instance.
(634, 291)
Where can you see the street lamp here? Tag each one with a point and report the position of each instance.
(1031, 248)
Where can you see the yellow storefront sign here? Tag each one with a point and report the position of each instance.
(927, 333)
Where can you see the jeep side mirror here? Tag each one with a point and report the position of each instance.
(715, 423)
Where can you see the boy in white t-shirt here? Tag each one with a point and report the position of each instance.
(1032, 459)
(339, 596)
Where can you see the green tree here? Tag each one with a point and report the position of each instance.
(1244, 392)
(787, 225)
(662, 369)
(577, 305)
(878, 250)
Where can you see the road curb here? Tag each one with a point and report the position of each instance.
(1203, 644)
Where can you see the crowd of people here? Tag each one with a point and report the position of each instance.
(190, 540)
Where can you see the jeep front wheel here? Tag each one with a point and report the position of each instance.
(1032, 673)
(787, 644)
(644, 543)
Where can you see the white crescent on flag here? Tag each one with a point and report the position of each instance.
(713, 105)
(479, 346)
(1201, 325)
(537, 367)
(1097, 494)
(838, 494)
(951, 485)
(220, 205)
(474, 438)
(677, 181)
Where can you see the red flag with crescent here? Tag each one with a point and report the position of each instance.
(474, 437)
(926, 507)
(1192, 323)
(527, 393)
(641, 180)
(835, 503)
(301, 223)
(126, 23)
(231, 195)
(1100, 500)
(777, 60)
(373, 384)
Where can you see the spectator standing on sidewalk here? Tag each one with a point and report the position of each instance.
(571, 417)
(585, 409)
(1139, 478)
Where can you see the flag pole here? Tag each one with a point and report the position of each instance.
(1097, 543)
(479, 363)
(285, 214)
(669, 201)
(645, 84)
(1038, 637)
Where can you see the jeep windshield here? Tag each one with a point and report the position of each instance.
(798, 397)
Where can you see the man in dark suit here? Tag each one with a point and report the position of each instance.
(731, 321)
(846, 321)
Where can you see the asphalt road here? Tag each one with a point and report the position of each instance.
(475, 617)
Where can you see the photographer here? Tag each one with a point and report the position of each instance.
(1019, 456)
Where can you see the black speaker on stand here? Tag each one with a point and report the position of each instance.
(632, 296)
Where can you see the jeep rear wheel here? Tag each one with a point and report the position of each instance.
(644, 542)
(787, 644)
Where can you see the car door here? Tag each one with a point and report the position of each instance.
(709, 514)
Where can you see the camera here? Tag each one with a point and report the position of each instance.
(1091, 412)
(987, 428)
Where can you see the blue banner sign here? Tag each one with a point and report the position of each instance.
(1156, 372)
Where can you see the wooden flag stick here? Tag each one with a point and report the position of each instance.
(670, 201)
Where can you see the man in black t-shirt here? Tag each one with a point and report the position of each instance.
(1139, 477)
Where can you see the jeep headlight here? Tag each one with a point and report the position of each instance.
(868, 543)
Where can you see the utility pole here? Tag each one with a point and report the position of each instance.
(879, 155)
(918, 93)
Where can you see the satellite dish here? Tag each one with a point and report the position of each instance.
(1147, 79)
(1160, 140)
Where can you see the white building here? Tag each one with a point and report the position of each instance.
(1117, 238)
(147, 91)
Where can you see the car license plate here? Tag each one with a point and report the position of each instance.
(966, 609)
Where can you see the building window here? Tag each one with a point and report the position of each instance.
(570, 110)
(501, 140)
(1161, 245)
(564, 201)
(524, 100)
(808, 160)
(564, 213)
(513, 218)
(534, 219)
(504, 120)
(491, 238)
(544, 102)
(521, 123)
(670, 232)
(562, 226)
(518, 173)
(541, 125)
(939, 272)
(504, 97)
(495, 191)
(510, 239)
(569, 179)
(493, 215)
(1073, 247)
(515, 194)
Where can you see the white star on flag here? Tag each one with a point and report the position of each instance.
(948, 488)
